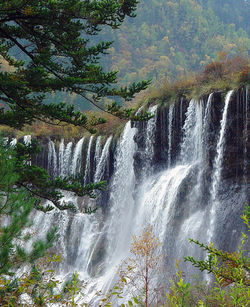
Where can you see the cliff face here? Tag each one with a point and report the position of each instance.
(185, 171)
(160, 147)
(237, 133)
(235, 141)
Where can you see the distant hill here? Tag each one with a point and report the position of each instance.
(169, 38)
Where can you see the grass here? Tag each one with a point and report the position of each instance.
(219, 76)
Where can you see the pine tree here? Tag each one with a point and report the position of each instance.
(15, 209)
(58, 54)
(48, 46)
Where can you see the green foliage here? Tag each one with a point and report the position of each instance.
(179, 290)
(39, 287)
(139, 270)
(218, 76)
(230, 267)
(44, 187)
(47, 47)
(169, 38)
(54, 38)
(230, 270)
(15, 208)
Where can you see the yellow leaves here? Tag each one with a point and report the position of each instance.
(208, 58)
(5, 66)
(54, 258)
(172, 51)
(146, 245)
(28, 11)
(165, 38)
(14, 78)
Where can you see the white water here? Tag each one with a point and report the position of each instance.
(77, 158)
(157, 198)
(191, 145)
(171, 199)
(87, 168)
(101, 166)
(61, 155)
(66, 160)
(170, 122)
(216, 177)
(13, 142)
(150, 133)
(27, 140)
(98, 150)
(52, 159)
(121, 198)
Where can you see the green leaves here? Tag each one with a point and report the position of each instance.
(179, 290)
(227, 267)
(53, 38)
(15, 206)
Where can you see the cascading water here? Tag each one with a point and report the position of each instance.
(98, 149)
(100, 169)
(60, 157)
(52, 159)
(216, 177)
(27, 139)
(66, 159)
(121, 212)
(174, 198)
(150, 132)
(170, 121)
(246, 140)
(191, 145)
(77, 158)
(13, 142)
(87, 168)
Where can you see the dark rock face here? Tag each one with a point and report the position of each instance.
(237, 138)
(237, 132)
(236, 166)
(186, 201)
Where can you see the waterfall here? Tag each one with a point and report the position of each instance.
(101, 166)
(157, 198)
(67, 155)
(216, 177)
(13, 142)
(246, 160)
(122, 184)
(98, 150)
(149, 146)
(206, 122)
(170, 122)
(77, 157)
(87, 168)
(180, 200)
(52, 159)
(61, 155)
(27, 140)
(191, 145)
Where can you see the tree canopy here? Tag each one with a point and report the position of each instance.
(48, 47)
(178, 37)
